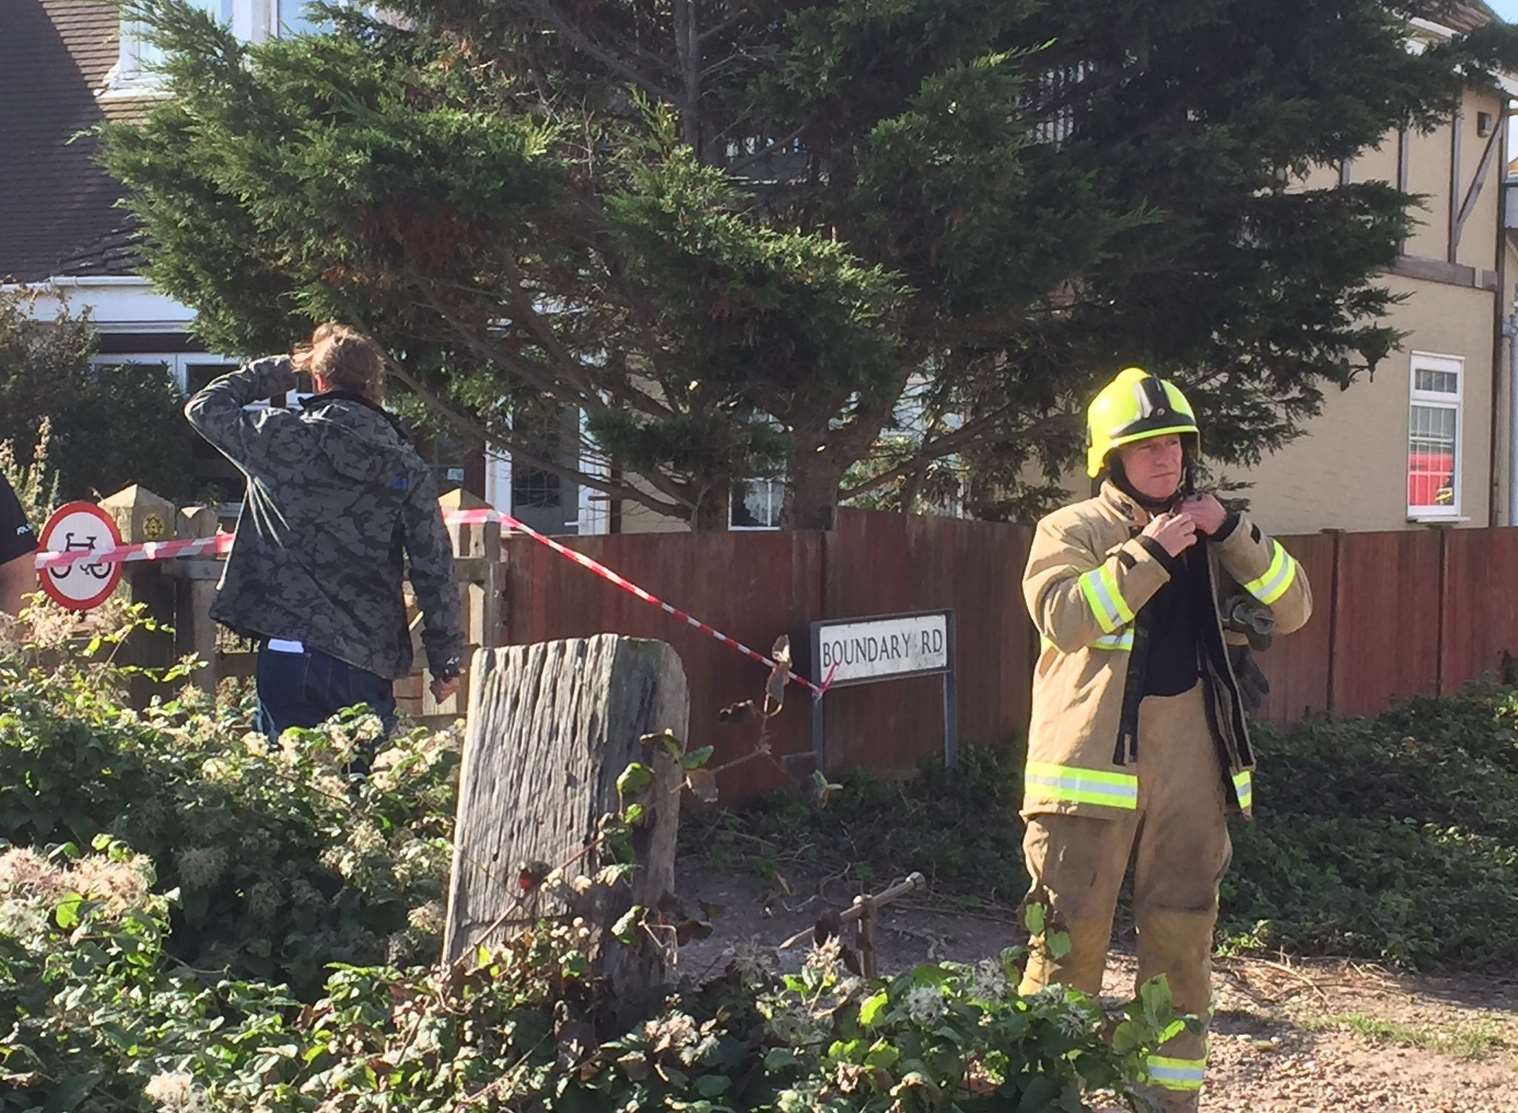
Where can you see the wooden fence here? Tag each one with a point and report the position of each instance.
(1395, 615)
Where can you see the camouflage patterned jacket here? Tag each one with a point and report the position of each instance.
(335, 495)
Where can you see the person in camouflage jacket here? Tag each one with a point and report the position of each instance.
(335, 496)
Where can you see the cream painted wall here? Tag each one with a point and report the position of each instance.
(637, 518)
(1349, 471)
(1428, 174)
(1478, 238)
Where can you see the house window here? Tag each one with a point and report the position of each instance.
(756, 504)
(294, 19)
(135, 65)
(250, 20)
(1433, 439)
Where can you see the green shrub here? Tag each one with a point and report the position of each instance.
(99, 1019)
(110, 426)
(283, 863)
(1392, 838)
(107, 1004)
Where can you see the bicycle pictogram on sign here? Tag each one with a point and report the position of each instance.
(80, 527)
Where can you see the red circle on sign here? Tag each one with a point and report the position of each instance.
(72, 527)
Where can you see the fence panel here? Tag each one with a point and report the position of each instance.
(1386, 620)
(752, 586)
(880, 563)
(1480, 619)
(1299, 665)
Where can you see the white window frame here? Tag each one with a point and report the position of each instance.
(1441, 400)
(252, 21)
(773, 482)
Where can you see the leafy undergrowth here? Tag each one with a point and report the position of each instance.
(192, 920)
(959, 829)
(1392, 838)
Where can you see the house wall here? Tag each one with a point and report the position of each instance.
(1349, 469)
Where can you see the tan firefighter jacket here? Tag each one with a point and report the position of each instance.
(1089, 575)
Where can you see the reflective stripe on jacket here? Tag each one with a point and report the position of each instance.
(1088, 578)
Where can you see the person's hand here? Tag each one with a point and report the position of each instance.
(442, 689)
(1206, 511)
(1175, 532)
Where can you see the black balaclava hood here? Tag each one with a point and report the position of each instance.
(1119, 479)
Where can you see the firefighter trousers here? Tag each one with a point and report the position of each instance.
(1177, 841)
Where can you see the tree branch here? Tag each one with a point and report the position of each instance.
(939, 447)
(482, 436)
(545, 10)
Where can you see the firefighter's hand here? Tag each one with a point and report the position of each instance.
(442, 689)
(1206, 511)
(1175, 532)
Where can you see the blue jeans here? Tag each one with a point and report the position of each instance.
(308, 688)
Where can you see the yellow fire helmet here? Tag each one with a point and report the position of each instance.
(1135, 406)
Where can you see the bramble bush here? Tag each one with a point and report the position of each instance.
(192, 920)
(283, 861)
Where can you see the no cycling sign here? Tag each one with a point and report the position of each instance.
(82, 584)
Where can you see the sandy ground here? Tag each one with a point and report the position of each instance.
(1289, 1036)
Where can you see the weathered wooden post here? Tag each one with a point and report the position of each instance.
(141, 516)
(477, 557)
(551, 727)
(197, 579)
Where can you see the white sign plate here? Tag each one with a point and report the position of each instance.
(881, 648)
(73, 527)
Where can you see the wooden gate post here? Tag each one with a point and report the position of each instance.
(141, 516)
(195, 632)
(551, 727)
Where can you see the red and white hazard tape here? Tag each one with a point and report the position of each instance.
(147, 550)
(484, 514)
(222, 542)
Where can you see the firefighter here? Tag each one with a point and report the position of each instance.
(1137, 746)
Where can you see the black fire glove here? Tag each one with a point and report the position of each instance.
(1253, 685)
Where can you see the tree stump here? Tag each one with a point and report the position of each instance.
(551, 727)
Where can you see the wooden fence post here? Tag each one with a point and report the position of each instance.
(477, 556)
(141, 516)
(194, 630)
(551, 727)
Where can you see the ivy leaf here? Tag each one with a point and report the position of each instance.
(666, 738)
(634, 779)
(627, 926)
(1058, 943)
(1155, 998)
(779, 1058)
(634, 814)
(1033, 918)
(697, 758)
(872, 1007)
(616, 872)
(711, 1085)
(823, 789)
(66, 914)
